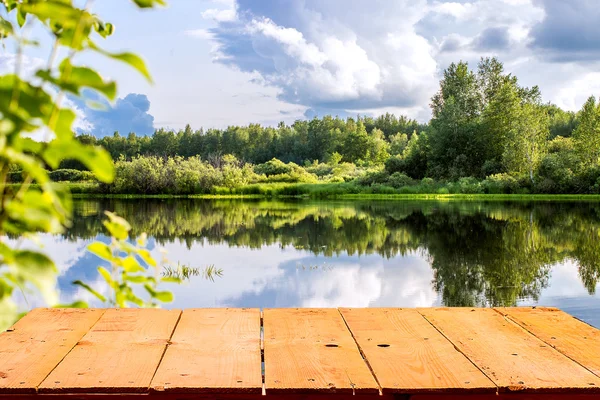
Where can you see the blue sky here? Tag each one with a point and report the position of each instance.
(223, 62)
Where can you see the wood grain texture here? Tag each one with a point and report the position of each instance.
(573, 338)
(408, 355)
(513, 358)
(311, 350)
(120, 354)
(31, 349)
(213, 351)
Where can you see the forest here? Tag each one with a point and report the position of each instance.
(487, 134)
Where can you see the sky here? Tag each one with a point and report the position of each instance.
(217, 63)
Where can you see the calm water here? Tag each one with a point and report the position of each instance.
(359, 254)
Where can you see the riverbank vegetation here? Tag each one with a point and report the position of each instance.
(488, 134)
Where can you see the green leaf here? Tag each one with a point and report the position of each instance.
(130, 265)
(136, 278)
(75, 304)
(149, 3)
(117, 231)
(64, 123)
(147, 257)
(101, 250)
(39, 270)
(165, 296)
(21, 17)
(131, 59)
(6, 28)
(170, 279)
(95, 158)
(57, 11)
(73, 78)
(107, 277)
(132, 298)
(90, 290)
(118, 220)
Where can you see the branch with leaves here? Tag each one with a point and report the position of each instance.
(33, 104)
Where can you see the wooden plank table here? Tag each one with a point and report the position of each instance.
(301, 354)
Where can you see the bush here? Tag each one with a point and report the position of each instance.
(500, 184)
(373, 178)
(398, 180)
(274, 167)
(320, 169)
(71, 175)
(468, 185)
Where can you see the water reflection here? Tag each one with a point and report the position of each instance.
(328, 254)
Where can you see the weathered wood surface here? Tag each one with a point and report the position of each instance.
(309, 354)
(213, 351)
(118, 355)
(573, 338)
(35, 345)
(311, 350)
(408, 355)
(510, 356)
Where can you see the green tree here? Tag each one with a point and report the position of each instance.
(587, 135)
(527, 142)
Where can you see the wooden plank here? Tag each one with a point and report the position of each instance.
(408, 355)
(119, 354)
(311, 350)
(510, 356)
(31, 349)
(213, 351)
(573, 338)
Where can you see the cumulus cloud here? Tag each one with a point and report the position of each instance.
(492, 39)
(569, 31)
(322, 59)
(128, 114)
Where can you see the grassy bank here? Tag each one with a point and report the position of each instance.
(321, 191)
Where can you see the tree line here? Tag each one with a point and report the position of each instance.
(484, 125)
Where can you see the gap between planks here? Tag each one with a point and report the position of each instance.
(459, 350)
(517, 322)
(165, 349)
(361, 353)
(103, 311)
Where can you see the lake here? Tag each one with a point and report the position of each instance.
(357, 253)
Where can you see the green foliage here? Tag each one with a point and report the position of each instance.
(131, 267)
(71, 175)
(398, 180)
(33, 203)
(586, 137)
(500, 184)
(273, 167)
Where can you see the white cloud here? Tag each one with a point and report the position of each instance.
(226, 14)
(576, 91)
(200, 33)
(219, 15)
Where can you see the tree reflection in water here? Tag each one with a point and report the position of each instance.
(482, 253)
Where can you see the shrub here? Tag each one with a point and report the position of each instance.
(319, 169)
(373, 178)
(71, 175)
(398, 180)
(469, 185)
(273, 167)
(500, 184)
